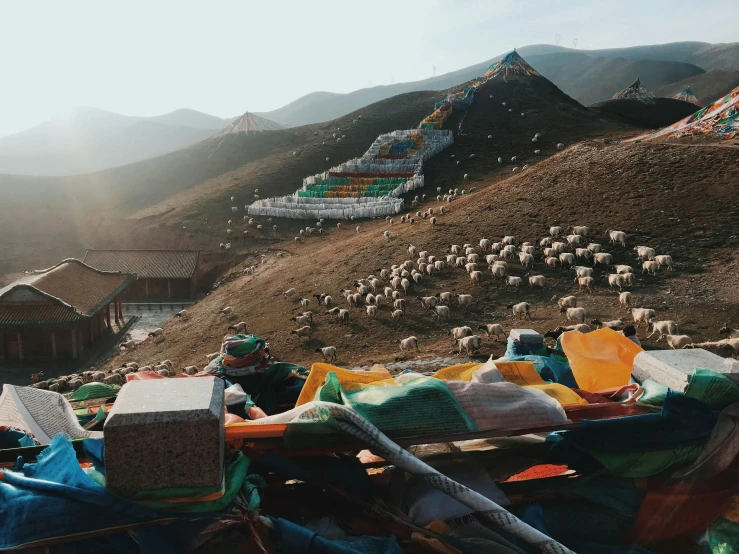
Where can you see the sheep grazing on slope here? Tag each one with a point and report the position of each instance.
(227, 311)
(328, 352)
(239, 328)
(492, 329)
(470, 344)
(158, 332)
(411, 343)
(522, 310)
(302, 331)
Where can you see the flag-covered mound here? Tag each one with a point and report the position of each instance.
(720, 118)
(687, 96)
(636, 91)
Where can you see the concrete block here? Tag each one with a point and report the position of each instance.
(526, 336)
(165, 433)
(673, 368)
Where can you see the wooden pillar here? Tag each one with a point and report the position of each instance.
(92, 330)
(115, 310)
(107, 317)
(74, 344)
(146, 287)
(53, 345)
(20, 347)
(169, 288)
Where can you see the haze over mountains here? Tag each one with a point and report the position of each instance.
(90, 139)
(589, 76)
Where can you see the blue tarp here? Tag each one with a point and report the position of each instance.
(55, 498)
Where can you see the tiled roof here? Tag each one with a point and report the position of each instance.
(69, 291)
(37, 315)
(150, 264)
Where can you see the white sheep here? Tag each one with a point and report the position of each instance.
(371, 311)
(551, 262)
(492, 329)
(158, 332)
(411, 343)
(476, 277)
(624, 299)
(587, 282)
(678, 341)
(464, 299)
(522, 310)
(582, 271)
(499, 271)
(386, 234)
(302, 331)
(650, 266)
(514, 281)
(567, 258)
(555, 231)
(576, 314)
(645, 253)
(664, 261)
(667, 327)
(617, 237)
(397, 315)
(537, 281)
(238, 327)
(234, 209)
(560, 146)
(616, 280)
(602, 258)
(643, 315)
(289, 293)
(441, 312)
(469, 344)
(574, 240)
(460, 332)
(583, 253)
(566, 302)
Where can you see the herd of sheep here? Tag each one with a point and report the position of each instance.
(393, 287)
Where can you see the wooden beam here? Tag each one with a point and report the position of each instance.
(20, 347)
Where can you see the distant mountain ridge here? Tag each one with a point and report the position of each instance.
(606, 72)
(90, 139)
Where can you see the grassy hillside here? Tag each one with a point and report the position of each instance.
(646, 190)
(708, 86)
(664, 111)
(589, 79)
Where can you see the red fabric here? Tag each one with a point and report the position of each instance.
(540, 471)
(683, 509)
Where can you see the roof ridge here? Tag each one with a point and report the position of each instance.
(40, 272)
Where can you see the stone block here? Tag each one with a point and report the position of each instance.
(673, 368)
(526, 336)
(165, 433)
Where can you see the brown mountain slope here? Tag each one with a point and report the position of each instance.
(205, 209)
(677, 199)
(707, 86)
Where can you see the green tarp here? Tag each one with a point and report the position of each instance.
(94, 390)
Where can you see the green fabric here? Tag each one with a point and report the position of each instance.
(722, 538)
(654, 393)
(646, 464)
(271, 385)
(237, 470)
(713, 389)
(94, 390)
(246, 345)
(423, 406)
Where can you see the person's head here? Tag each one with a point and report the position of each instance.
(629, 331)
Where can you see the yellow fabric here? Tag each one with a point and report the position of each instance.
(461, 372)
(520, 373)
(317, 378)
(564, 395)
(599, 360)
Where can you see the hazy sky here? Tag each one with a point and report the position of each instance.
(224, 57)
